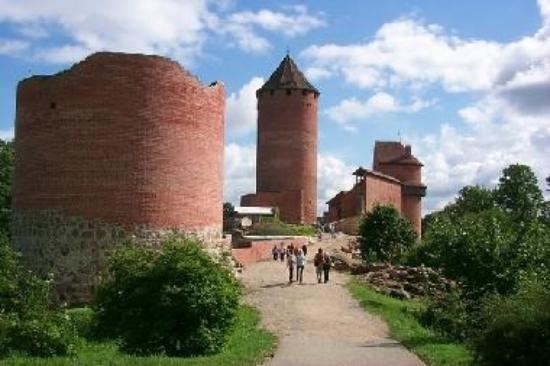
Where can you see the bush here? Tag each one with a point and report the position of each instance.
(449, 314)
(517, 328)
(27, 324)
(174, 300)
(385, 235)
(84, 321)
(276, 227)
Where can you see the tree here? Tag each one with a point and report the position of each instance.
(7, 156)
(471, 199)
(385, 235)
(228, 216)
(518, 193)
(174, 300)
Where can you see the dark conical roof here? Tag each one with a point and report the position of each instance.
(288, 76)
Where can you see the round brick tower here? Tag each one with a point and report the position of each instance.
(286, 168)
(118, 146)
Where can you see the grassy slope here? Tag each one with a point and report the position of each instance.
(247, 345)
(400, 316)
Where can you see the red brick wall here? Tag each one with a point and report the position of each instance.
(128, 139)
(260, 250)
(287, 147)
(403, 172)
(382, 191)
(412, 210)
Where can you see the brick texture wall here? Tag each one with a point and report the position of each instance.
(287, 149)
(121, 142)
(129, 139)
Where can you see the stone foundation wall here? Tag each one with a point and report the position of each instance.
(75, 250)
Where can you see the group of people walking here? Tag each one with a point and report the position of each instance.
(296, 260)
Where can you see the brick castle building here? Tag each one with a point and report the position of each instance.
(118, 146)
(286, 158)
(395, 179)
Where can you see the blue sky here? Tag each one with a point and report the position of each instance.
(467, 83)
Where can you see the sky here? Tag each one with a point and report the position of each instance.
(466, 83)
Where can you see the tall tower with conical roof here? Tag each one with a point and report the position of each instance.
(286, 160)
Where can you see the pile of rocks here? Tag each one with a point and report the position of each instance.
(402, 281)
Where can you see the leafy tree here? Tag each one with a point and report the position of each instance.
(228, 216)
(516, 328)
(471, 199)
(519, 194)
(7, 156)
(174, 300)
(385, 235)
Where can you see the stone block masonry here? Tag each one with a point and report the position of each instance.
(119, 145)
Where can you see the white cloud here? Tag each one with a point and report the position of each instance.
(410, 52)
(162, 27)
(240, 171)
(12, 46)
(297, 20)
(292, 21)
(167, 27)
(6, 134)
(349, 110)
(333, 176)
(317, 73)
(497, 135)
(241, 111)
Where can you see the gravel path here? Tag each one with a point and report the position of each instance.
(319, 324)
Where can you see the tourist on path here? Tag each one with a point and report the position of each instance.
(290, 263)
(300, 264)
(304, 249)
(318, 263)
(282, 252)
(275, 252)
(327, 263)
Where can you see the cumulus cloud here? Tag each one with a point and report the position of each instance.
(291, 21)
(353, 109)
(411, 52)
(240, 171)
(168, 27)
(497, 134)
(6, 134)
(12, 46)
(241, 112)
(333, 176)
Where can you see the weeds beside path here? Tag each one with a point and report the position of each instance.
(403, 326)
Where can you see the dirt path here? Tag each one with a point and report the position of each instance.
(319, 324)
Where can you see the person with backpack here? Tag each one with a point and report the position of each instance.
(327, 263)
(318, 263)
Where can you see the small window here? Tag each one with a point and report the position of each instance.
(53, 105)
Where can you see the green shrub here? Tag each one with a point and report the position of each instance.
(84, 321)
(385, 235)
(174, 300)
(517, 328)
(276, 227)
(449, 314)
(27, 323)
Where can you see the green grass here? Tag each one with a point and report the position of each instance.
(404, 326)
(247, 345)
